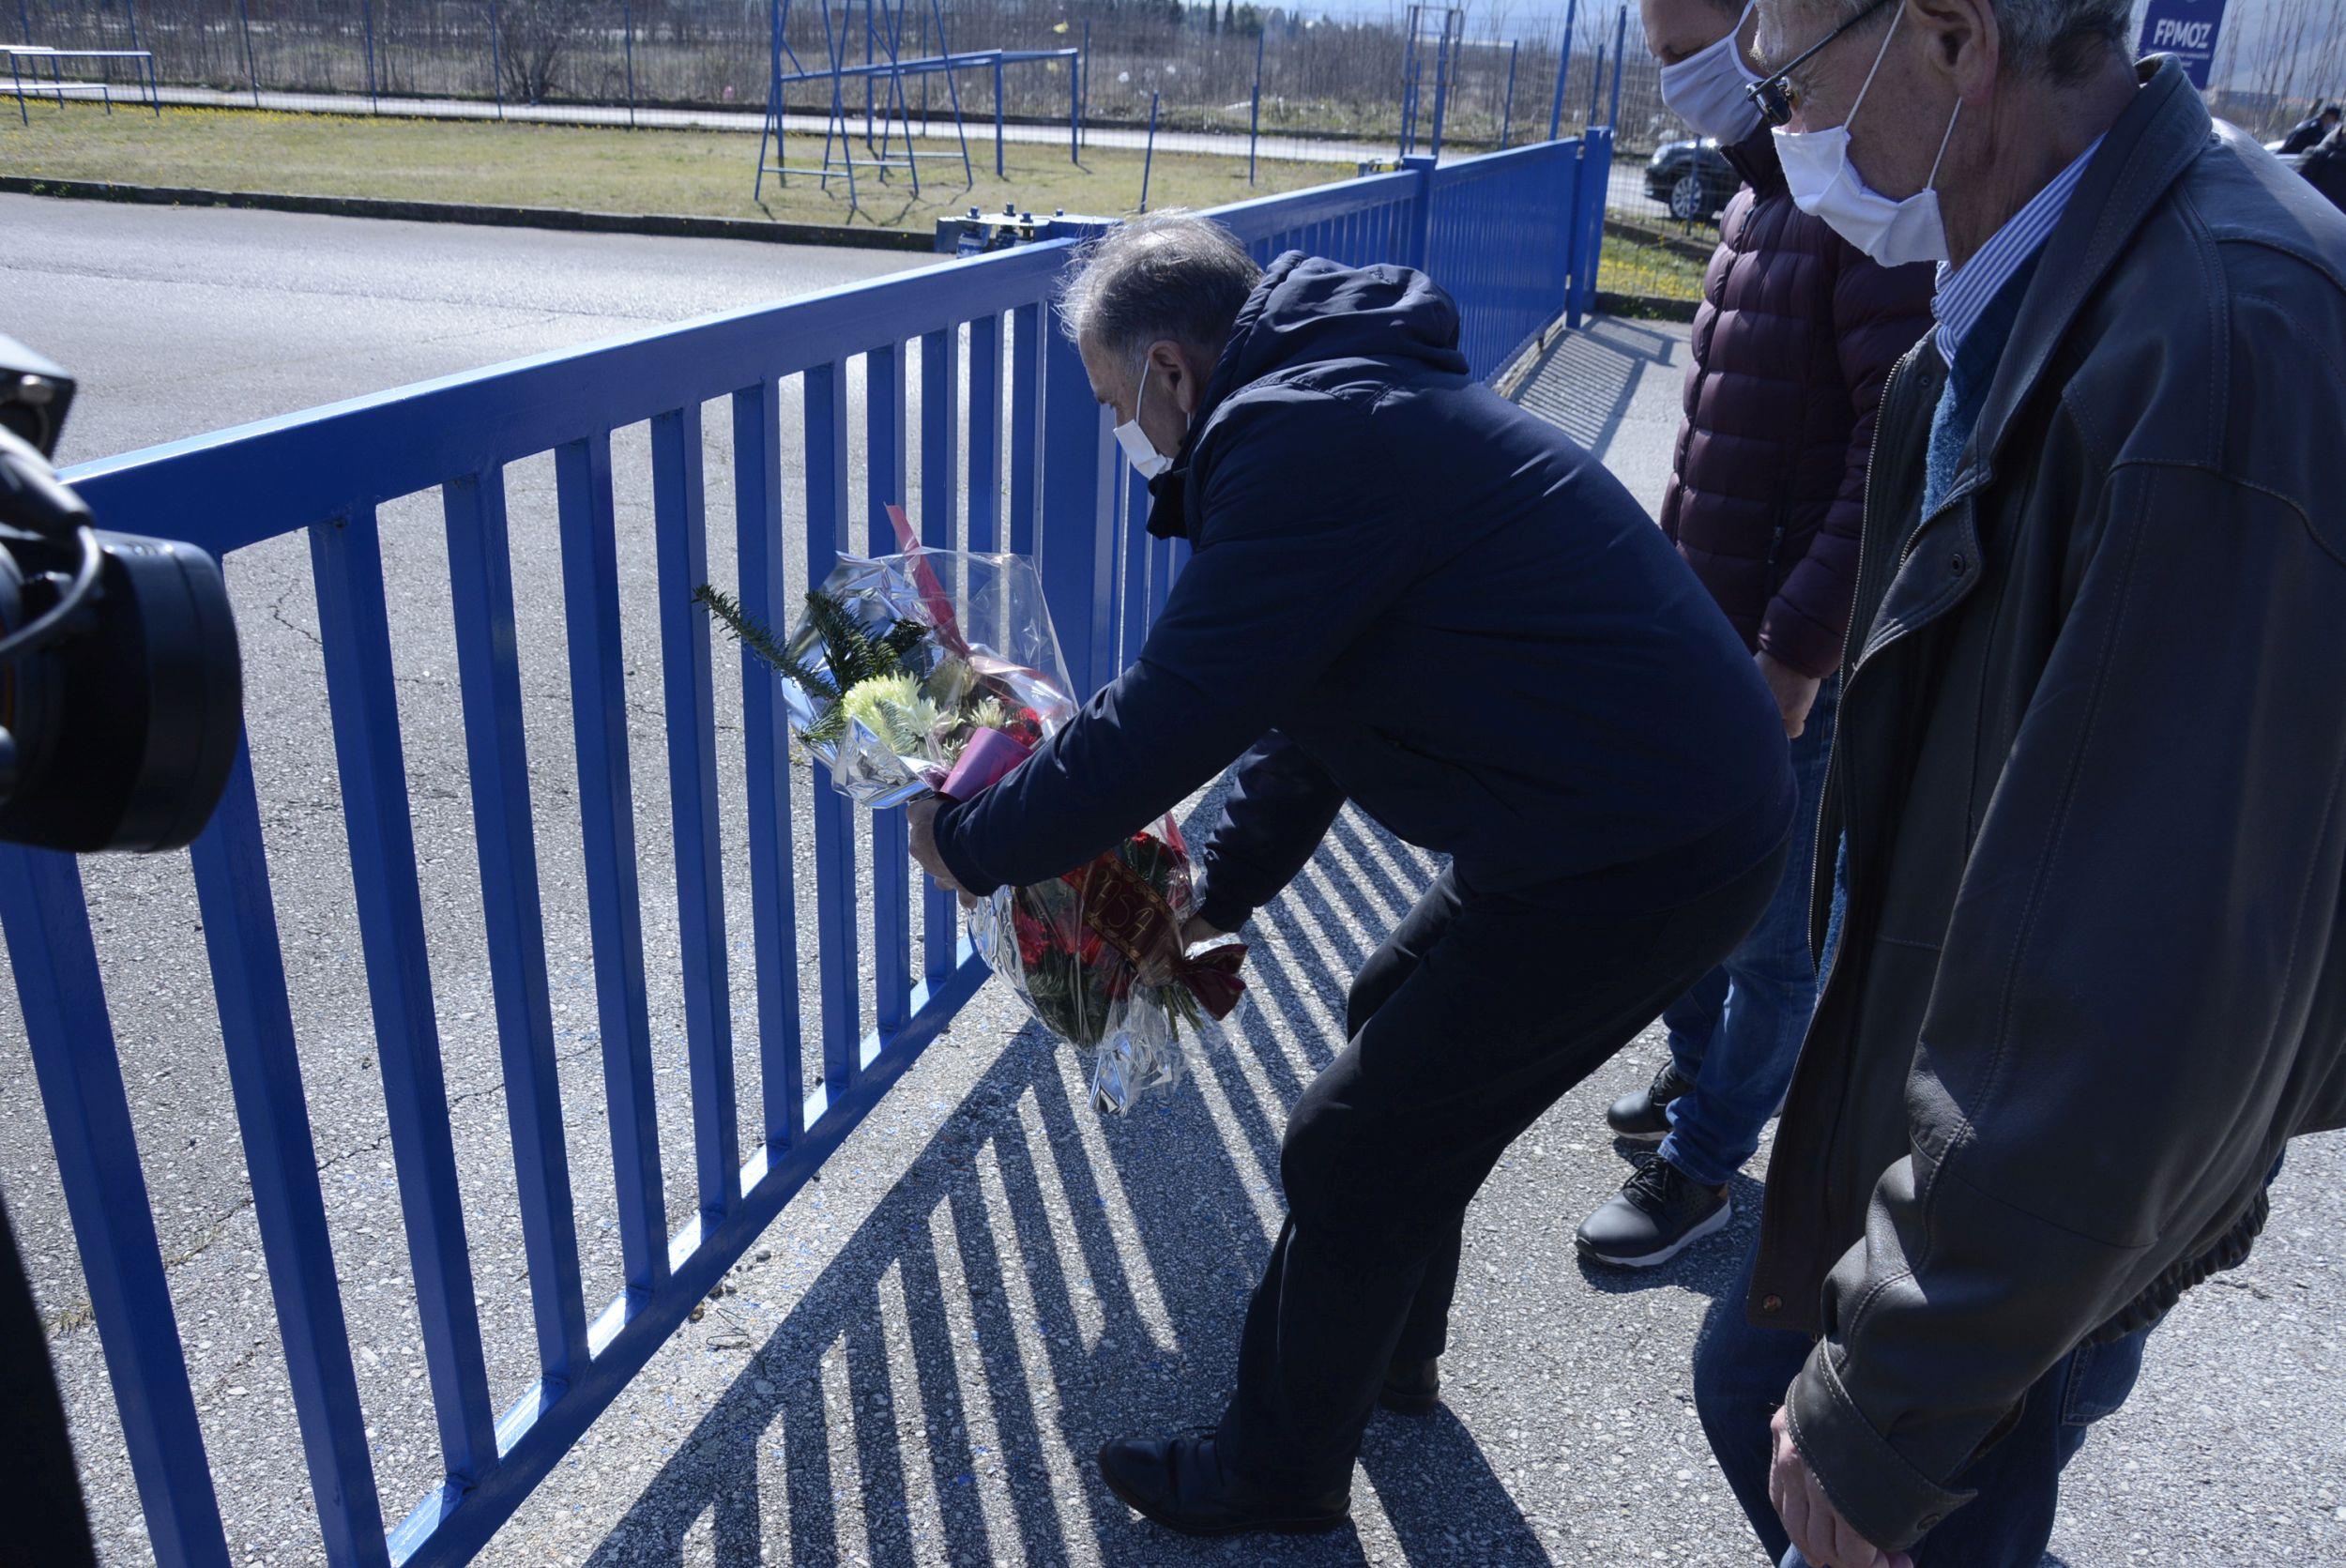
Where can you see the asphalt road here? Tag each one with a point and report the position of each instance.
(918, 1360)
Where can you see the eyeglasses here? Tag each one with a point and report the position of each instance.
(1774, 94)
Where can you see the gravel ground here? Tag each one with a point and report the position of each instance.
(917, 1362)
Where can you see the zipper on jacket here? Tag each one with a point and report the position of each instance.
(1836, 786)
(1834, 757)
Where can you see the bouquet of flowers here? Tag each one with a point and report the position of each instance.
(1097, 956)
(937, 671)
(891, 676)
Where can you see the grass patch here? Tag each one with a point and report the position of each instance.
(700, 174)
(1624, 267)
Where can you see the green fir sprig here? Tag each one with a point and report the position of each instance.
(851, 655)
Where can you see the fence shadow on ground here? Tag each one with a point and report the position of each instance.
(1586, 381)
(1091, 1364)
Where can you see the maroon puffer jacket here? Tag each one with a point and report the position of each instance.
(1794, 335)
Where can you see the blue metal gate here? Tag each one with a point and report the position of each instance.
(1513, 235)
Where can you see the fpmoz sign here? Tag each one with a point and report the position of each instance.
(2186, 29)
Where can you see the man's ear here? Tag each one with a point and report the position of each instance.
(1961, 42)
(1174, 373)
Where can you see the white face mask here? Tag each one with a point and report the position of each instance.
(1706, 88)
(1824, 184)
(1139, 450)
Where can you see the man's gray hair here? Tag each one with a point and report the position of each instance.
(2057, 37)
(1163, 274)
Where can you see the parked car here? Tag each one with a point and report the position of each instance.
(2290, 160)
(1692, 179)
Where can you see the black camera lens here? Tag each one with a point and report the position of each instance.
(119, 730)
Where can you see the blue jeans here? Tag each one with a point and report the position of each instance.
(1741, 1372)
(1737, 1033)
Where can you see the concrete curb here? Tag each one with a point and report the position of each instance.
(771, 233)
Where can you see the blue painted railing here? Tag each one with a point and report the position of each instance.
(1513, 235)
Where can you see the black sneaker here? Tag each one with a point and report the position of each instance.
(1637, 1115)
(1181, 1484)
(1659, 1212)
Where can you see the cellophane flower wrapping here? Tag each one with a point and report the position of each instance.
(1097, 957)
(900, 661)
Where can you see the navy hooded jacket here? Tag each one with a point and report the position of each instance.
(1412, 593)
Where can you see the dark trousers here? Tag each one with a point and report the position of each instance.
(1478, 1012)
(1741, 1372)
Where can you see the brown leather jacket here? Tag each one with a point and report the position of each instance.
(2092, 772)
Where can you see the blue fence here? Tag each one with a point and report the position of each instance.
(1006, 419)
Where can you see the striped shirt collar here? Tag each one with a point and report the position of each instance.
(1964, 291)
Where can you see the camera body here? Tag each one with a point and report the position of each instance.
(121, 687)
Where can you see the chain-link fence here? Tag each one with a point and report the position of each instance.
(1305, 82)
(1282, 84)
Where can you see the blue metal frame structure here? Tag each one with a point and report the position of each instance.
(1512, 236)
(884, 35)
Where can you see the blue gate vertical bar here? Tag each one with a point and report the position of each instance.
(590, 605)
(766, 747)
(480, 574)
(681, 548)
(834, 815)
(884, 468)
(1021, 533)
(256, 1033)
(986, 433)
(346, 557)
(941, 491)
(74, 1058)
(1078, 515)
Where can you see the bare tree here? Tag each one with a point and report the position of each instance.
(532, 37)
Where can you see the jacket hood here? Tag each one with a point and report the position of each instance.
(1306, 309)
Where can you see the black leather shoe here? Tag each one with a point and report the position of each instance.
(1637, 1115)
(1411, 1388)
(1659, 1213)
(1181, 1484)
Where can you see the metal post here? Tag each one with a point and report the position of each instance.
(252, 72)
(952, 95)
(998, 117)
(1075, 111)
(1254, 117)
(1408, 85)
(1441, 84)
(16, 83)
(1149, 155)
(1507, 110)
(1563, 64)
(374, 84)
(626, 27)
(496, 67)
(1085, 63)
(1621, 42)
(1596, 85)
